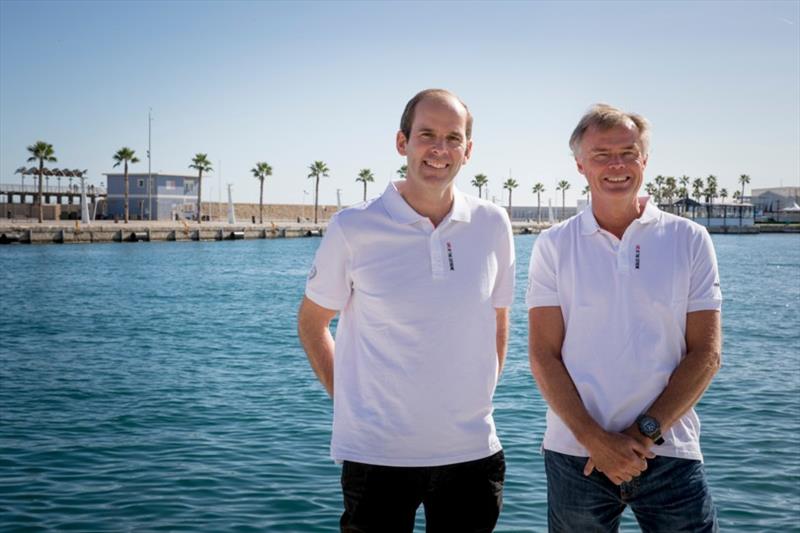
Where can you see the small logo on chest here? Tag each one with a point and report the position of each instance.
(450, 255)
(636, 261)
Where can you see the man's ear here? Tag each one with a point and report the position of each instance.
(400, 143)
(467, 152)
(580, 167)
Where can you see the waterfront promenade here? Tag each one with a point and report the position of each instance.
(106, 231)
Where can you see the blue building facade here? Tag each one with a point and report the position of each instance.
(172, 196)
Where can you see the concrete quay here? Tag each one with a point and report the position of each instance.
(72, 232)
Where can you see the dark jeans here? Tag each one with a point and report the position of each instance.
(671, 496)
(463, 497)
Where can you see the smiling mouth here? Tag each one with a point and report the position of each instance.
(616, 179)
(435, 164)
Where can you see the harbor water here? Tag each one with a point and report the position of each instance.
(161, 387)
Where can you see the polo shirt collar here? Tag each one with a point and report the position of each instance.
(402, 213)
(650, 214)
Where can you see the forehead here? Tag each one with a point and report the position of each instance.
(440, 112)
(618, 136)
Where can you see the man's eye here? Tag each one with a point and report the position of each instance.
(600, 158)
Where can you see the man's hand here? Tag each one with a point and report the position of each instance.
(620, 456)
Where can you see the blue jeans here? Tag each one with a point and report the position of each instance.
(463, 497)
(671, 496)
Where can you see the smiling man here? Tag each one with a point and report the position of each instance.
(624, 314)
(422, 278)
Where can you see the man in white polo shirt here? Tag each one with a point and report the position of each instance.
(624, 313)
(422, 278)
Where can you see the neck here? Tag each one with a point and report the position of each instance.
(433, 204)
(615, 218)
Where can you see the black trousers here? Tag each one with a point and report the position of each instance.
(462, 497)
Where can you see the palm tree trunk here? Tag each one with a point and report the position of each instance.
(199, 190)
(316, 198)
(41, 191)
(126, 193)
(538, 208)
(563, 204)
(365, 190)
(261, 203)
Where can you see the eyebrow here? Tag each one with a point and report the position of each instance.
(629, 147)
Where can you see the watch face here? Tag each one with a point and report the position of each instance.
(649, 426)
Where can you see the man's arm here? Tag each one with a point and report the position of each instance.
(618, 456)
(502, 337)
(692, 376)
(313, 328)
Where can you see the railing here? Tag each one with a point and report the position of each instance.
(18, 188)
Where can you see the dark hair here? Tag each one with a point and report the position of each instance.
(408, 113)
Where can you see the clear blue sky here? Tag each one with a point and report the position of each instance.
(293, 82)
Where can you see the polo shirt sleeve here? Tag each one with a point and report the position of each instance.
(503, 293)
(329, 283)
(542, 280)
(704, 289)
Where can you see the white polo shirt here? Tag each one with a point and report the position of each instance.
(415, 365)
(624, 304)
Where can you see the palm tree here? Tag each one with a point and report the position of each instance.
(510, 184)
(585, 192)
(402, 171)
(723, 194)
(670, 186)
(479, 181)
(201, 164)
(41, 151)
(562, 186)
(744, 179)
(710, 193)
(538, 189)
(365, 176)
(659, 182)
(683, 192)
(319, 170)
(697, 193)
(125, 155)
(650, 188)
(261, 171)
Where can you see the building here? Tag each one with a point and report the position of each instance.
(776, 204)
(172, 196)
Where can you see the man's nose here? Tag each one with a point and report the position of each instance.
(615, 160)
(439, 144)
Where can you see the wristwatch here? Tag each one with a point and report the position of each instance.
(649, 427)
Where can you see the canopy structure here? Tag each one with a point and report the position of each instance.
(792, 209)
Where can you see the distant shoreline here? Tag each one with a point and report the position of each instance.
(105, 231)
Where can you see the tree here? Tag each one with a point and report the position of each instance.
(586, 191)
(41, 151)
(365, 176)
(402, 171)
(723, 194)
(319, 170)
(650, 188)
(710, 193)
(538, 189)
(125, 155)
(697, 193)
(744, 179)
(201, 164)
(480, 181)
(683, 192)
(670, 186)
(510, 184)
(261, 171)
(562, 186)
(659, 183)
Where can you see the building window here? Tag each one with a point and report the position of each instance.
(170, 184)
(141, 183)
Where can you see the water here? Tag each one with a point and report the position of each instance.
(160, 386)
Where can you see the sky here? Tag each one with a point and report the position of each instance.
(293, 82)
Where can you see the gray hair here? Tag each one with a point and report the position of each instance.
(605, 117)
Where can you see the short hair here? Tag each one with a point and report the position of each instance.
(605, 117)
(407, 119)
